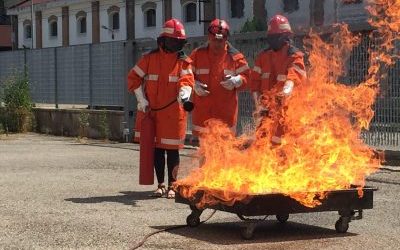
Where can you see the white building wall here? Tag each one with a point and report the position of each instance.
(330, 12)
(47, 40)
(352, 13)
(106, 35)
(148, 32)
(236, 24)
(74, 36)
(298, 19)
(193, 29)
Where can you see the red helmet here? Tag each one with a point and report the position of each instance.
(173, 28)
(219, 27)
(279, 25)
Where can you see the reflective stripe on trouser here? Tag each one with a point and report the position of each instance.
(172, 142)
(204, 130)
(202, 71)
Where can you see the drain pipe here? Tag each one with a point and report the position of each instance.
(218, 9)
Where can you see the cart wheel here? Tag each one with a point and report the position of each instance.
(247, 233)
(193, 220)
(282, 218)
(341, 226)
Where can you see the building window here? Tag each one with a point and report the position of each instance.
(53, 32)
(82, 25)
(290, 6)
(81, 22)
(189, 12)
(53, 29)
(150, 17)
(237, 8)
(113, 17)
(27, 29)
(318, 12)
(28, 32)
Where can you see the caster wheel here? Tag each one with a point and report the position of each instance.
(247, 233)
(341, 226)
(192, 220)
(282, 218)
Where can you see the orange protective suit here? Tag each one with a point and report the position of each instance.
(272, 69)
(210, 69)
(162, 75)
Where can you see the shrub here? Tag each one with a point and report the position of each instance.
(253, 25)
(103, 125)
(16, 113)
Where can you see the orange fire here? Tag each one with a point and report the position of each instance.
(321, 149)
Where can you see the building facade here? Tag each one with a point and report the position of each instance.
(52, 23)
(5, 29)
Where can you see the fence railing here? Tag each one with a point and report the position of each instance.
(95, 75)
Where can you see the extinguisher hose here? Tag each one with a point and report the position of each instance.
(166, 230)
(164, 107)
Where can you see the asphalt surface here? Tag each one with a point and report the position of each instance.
(64, 193)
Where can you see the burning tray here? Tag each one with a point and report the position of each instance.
(347, 202)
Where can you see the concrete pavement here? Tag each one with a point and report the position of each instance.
(61, 193)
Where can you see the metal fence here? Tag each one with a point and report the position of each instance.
(95, 75)
(92, 75)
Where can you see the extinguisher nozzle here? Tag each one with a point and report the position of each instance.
(188, 106)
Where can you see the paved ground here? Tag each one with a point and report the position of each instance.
(59, 193)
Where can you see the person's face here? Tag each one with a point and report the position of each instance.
(172, 45)
(216, 43)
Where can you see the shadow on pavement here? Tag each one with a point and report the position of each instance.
(127, 198)
(268, 231)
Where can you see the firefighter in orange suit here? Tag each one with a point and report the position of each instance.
(159, 79)
(278, 69)
(220, 72)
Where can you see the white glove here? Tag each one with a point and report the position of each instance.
(143, 104)
(184, 94)
(232, 82)
(200, 89)
(288, 88)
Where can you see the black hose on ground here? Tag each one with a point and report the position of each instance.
(166, 230)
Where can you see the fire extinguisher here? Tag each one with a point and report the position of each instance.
(147, 145)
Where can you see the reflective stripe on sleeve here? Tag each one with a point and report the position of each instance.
(151, 77)
(186, 72)
(265, 75)
(298, 69)
(242, 69)
(257, 69)
(229, 72)
(139, 71)
(173, 78)
(281, 78)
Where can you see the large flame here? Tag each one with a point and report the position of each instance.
(321, 149)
